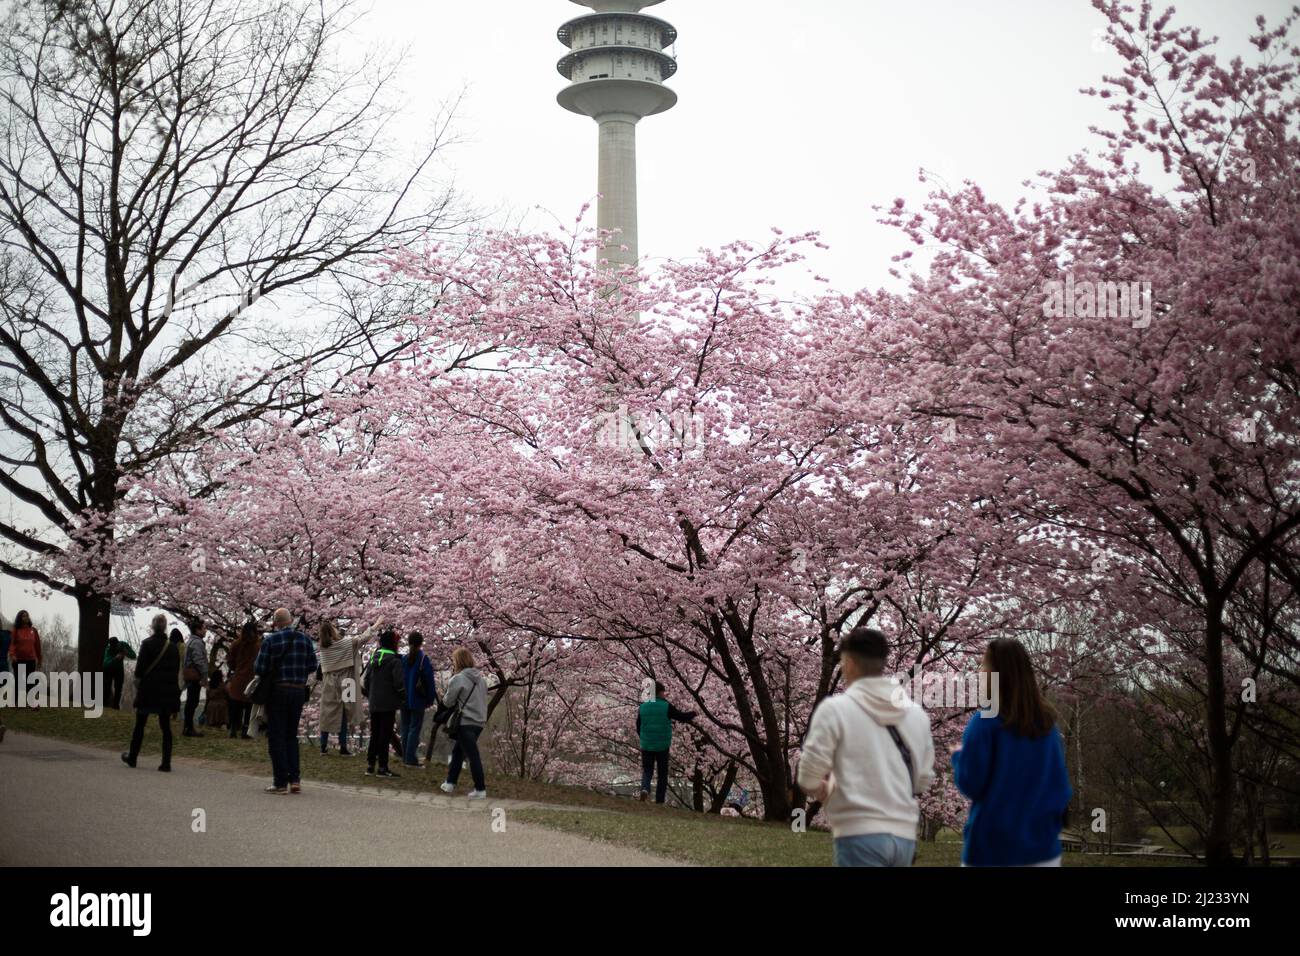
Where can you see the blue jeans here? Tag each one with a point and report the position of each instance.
(873, 849)
(409, 731)
(283, 713)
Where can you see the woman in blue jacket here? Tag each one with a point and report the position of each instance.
(1011, 766)
(417, 669)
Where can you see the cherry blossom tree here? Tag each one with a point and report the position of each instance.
(1076, 423)
(1124, 348)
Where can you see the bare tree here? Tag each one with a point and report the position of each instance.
(169, 171)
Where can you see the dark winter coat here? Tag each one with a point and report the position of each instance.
(158, 690)
(383, 683)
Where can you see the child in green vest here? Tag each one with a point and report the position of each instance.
(654, 726)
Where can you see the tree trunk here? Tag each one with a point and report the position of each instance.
(724, 791)
(751, 693)
(92, 627)
(1218, 842)
(778, 801)
(1263, 836)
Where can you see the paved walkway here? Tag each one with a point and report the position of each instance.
(64, 804)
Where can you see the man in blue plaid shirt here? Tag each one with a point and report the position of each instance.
(286, 659)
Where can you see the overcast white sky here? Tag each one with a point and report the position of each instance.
(801, 115)
(795, 114)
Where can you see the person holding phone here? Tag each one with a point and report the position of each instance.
(340, 680)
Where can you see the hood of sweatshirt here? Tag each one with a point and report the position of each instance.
(884, 698)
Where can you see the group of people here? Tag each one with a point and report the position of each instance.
(867, 758)
(869, 755)
(274, 673)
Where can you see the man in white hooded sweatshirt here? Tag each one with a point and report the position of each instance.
(867, 756)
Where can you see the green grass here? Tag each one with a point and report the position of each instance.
(719, 841)
(1186, 835)
(693, 837)
(679, 834)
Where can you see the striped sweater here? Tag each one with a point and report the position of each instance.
(342, 654)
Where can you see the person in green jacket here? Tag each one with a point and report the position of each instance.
(116, 654)
(654, 725)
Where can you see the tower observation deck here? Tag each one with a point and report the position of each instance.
(616, 67)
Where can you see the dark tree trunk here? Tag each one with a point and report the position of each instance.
(728, 781)
(1218, 842)
(92, 627)
(753, 698)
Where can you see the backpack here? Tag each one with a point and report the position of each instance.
(376, 658)
(421, 684)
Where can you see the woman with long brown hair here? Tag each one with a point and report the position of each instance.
(239, 661)
(1011, 766)
(25, 651)
(340, 664)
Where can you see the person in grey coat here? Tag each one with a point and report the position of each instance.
(194, 670)
(384, 685)
(466, 705)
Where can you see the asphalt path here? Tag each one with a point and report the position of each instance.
(63, 804)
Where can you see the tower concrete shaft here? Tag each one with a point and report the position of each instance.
(616, 66)
(616, 184)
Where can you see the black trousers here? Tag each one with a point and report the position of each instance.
(466, 747)
(238, 714)
(114, 677)
(137, 735)
(652, 760)
(191, 702)
(283, 717)
(382, 726)
(30, 672)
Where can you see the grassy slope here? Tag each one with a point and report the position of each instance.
(696, 838)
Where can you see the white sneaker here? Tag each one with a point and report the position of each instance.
(477, 795)
(447, 787)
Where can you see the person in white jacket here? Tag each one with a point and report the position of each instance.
(867, 757)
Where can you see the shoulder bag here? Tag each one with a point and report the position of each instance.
(457, 714)
(137, 677)
(259, 688)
